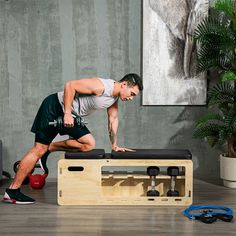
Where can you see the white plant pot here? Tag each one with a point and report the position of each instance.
(228, 171)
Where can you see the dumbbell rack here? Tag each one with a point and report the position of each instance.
(82, 182)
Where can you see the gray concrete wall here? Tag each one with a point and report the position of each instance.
(44, 43)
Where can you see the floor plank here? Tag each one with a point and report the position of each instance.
(47, 218)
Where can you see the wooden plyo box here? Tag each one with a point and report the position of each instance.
(83, 182)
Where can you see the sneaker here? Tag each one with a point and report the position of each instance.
(15, 196)
(43, 162)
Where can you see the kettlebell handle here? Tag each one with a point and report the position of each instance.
(45, 175)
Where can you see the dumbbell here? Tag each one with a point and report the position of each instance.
(153, 171)
(173, 172)
(59, 122)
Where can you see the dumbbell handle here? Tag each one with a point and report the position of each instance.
(54, 123)
(59, 122)
(153, 182)
(172, 183)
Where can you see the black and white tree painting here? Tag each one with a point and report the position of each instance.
(170, 74)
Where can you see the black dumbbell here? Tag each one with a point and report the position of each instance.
(173, 172)
(59, 123)
(153, 171)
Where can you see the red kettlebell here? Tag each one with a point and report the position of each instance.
(37, 181)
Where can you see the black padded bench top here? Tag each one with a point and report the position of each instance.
(94, 154)
(153, 154)
(178, 154)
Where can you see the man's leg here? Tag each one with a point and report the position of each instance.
(13, 194)
(27, 163)
(83, 144)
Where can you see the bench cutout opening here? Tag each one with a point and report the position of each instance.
(75, 168)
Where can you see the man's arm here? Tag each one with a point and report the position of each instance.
(113, 122)
(82, 86)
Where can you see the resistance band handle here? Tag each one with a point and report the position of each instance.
(208, 215)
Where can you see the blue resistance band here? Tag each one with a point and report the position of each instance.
(209, 214)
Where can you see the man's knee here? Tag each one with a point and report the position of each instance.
(40, 148)
(88, 143)
(92, 143)
(88, 146)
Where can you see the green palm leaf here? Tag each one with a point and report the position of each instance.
(221, 93)
(215, 33)
(230, 120)
(224, 134)
(207, 130)
(217, 43)
(207, 60)
(227, 6)
(210, 117)
(229, 76)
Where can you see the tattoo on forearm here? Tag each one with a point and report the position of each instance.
(112, 136)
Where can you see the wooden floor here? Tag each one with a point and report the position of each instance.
(47, 218)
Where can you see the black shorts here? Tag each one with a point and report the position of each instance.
(50, 110)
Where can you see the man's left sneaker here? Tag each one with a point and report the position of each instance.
(15, 196)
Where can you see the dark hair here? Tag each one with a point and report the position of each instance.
(133, 79)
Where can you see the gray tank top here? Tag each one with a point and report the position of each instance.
(85, 104)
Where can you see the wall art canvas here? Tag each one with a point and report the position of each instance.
(169, 60)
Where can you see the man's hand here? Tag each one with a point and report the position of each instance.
(68, 120)
(122, 149)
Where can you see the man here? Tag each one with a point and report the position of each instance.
(80, 98)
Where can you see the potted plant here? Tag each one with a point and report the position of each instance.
(216, 38)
